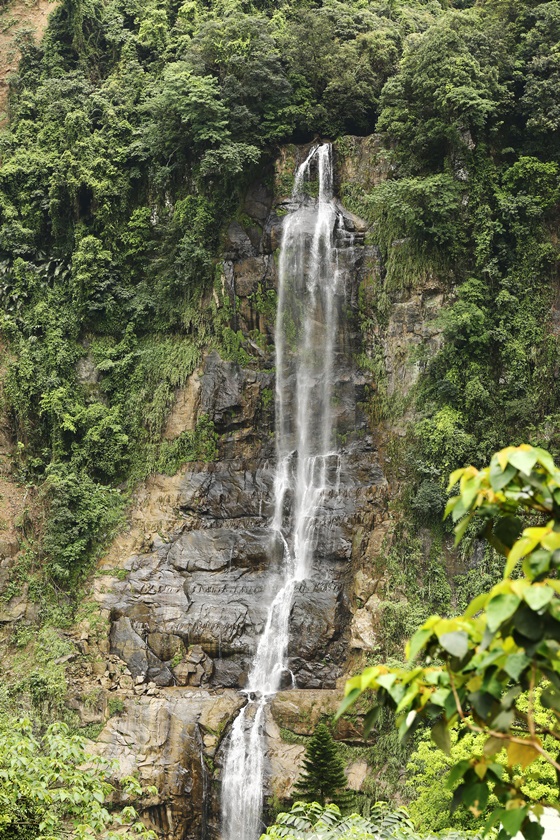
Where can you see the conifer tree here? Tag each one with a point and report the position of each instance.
(323, 778)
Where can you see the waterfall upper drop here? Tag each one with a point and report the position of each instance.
(310, 296)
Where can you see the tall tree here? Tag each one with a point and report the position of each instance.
(323, 778)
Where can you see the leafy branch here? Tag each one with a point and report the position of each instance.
(481, 668)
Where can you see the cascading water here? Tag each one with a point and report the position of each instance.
(307, 465)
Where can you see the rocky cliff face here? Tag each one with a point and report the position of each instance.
(183, 595)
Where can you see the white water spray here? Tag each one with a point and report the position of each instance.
(306, 467)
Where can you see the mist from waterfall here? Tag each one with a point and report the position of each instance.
(306, 465)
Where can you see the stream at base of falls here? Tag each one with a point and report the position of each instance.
(310, 298)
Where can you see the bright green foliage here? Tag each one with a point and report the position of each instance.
(318, 822)
(52, 789)
(323, 778)
(507, 642)
(427, 769)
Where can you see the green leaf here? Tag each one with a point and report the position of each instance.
(476, 795)
(503, 721)
(512, 819)
(476, 605)
(498, 477)
(519, 549)
(418, 641)
(538, 596)
(459, 510)
(454, 478)
(440, 736)
(457, 772)
(456, 643)
(523, 460)
(500, 608)
(461, 528)
(529, 623)
(350, 698)
(507, 530)
(371, 719)
(493, 745)
(550, 698)
(532, 830)
(515, 664)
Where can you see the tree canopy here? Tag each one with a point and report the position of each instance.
(322, 778)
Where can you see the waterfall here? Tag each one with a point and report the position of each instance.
(307, 464)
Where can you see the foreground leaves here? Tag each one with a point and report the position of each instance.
(495, 669)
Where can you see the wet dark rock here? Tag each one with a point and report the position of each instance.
(314, 675)
(132, 649)
(258, 202)
(229, 490)
(229, 673)
(238, 244)
(222, 388)
(313, 620)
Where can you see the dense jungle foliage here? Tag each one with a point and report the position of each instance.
(134, 127)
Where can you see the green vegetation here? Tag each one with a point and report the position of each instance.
(323, 779)
(498, 678)
(51, 788)
(327, 823)
(135, 128)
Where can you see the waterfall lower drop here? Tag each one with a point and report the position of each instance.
(307, 464)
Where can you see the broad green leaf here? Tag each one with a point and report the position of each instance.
(523, 459)
(512, 819)
(408, 697)
(529, 623)
(350, 698)
(456, 643)
(551, 541)
(504, 720)
(503, 456)
(475, 797)
(454, 478)
(440, 736)
(500, 608)
(532, 830)
(545, 458)
(450, 505)
(507, 529)
(499, 478)
(470, 491)
(417, 642)
(515, 664)
(386, 681)
(476, 605)
(371, 719)
(459, 510)
(461, 528)
(523, 546)
(493, 745)
(550, 698)
(538, 596)
(439, 697)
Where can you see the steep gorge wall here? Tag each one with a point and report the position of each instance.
(181, 598)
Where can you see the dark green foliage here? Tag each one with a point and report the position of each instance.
(134, 129)
(323, 778)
